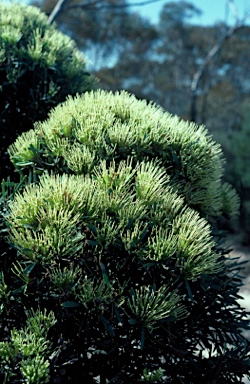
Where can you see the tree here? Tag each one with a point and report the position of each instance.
(225, 36)
(99, 27)
(64, 5)
(238, 170)
(181, 61)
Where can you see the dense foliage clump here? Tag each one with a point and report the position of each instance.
(101, 126)
(118, 268)
(39, 67)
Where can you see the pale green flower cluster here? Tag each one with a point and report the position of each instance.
(48, 221)
(31, 344)
(102, 125)
(25, 32)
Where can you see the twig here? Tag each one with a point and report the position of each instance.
(91, 5)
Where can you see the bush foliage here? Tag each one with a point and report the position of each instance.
(39, 67)
(101, 126)
(118, 274)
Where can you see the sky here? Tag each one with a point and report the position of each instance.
(212, 10)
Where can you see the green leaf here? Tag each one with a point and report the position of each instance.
(189, 290)
(142, 337)
(130, 222)
(33, 149)
(149, 265)
(93, 243)
(24, 164)
(132, 321)
(107, 325)
(19, 290)
(104, 274)
(92, 228)
(28, 269)
(118, 314)
(144, 233)
(132, 292)
(70, 304)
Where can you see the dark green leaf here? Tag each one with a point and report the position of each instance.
(28, 269)
(92, 228)
(118, 314)
(142, 338)
(19, 290)
(149, 265)
(104, 274)
(107, 325)
(70, 304)
(130, 222)
(189, 290)
(132, 321)
(93, 243)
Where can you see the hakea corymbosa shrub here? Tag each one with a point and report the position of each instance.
(101, 126)
(39, 67)
(117, 254)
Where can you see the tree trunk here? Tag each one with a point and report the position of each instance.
(201, 70)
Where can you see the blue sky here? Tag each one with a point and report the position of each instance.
(212, 10)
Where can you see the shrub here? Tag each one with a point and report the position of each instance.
(39, 67)
(100, 126)
(115, 239)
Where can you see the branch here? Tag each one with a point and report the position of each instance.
(111, 6)
(211, 54)
(58, 8)
(91, 5)
(234, 10)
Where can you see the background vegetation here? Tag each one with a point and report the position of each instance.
(159, 62)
